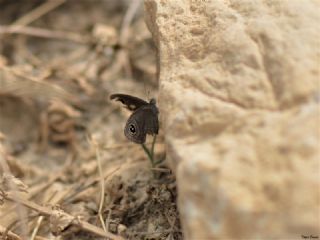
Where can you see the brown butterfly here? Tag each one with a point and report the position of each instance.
(144, 119)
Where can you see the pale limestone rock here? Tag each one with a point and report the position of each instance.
(239, 100)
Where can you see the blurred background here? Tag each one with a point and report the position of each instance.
(59, 62)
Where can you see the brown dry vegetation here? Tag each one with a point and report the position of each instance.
(66, 169)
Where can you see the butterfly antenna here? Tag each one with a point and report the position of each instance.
(148, 94)
(146, 91)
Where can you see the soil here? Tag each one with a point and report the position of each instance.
(62, 147)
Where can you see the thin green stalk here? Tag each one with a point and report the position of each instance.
(152, 146)
(148, 153)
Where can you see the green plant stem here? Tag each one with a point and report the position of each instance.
(160, 160)
(152, 146)
(149, 153)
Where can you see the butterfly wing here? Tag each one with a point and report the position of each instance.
(151, 125)
(131, 102)
(142, 122)
(134, 129)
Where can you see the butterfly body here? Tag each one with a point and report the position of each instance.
(143, 120)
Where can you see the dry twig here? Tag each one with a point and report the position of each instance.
(38, 12)
(122, 57)
(44, 33)
(5, 234)
(48, 212)
(19, 83)
(94, 143)
(131, 12)
(21, 212)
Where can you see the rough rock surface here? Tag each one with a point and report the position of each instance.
(239, 99)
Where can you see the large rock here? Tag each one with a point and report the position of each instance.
(239, 100)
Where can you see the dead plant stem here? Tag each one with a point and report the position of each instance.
(46, 211)
(38, 12)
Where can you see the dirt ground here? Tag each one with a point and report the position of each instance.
(67, 170)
